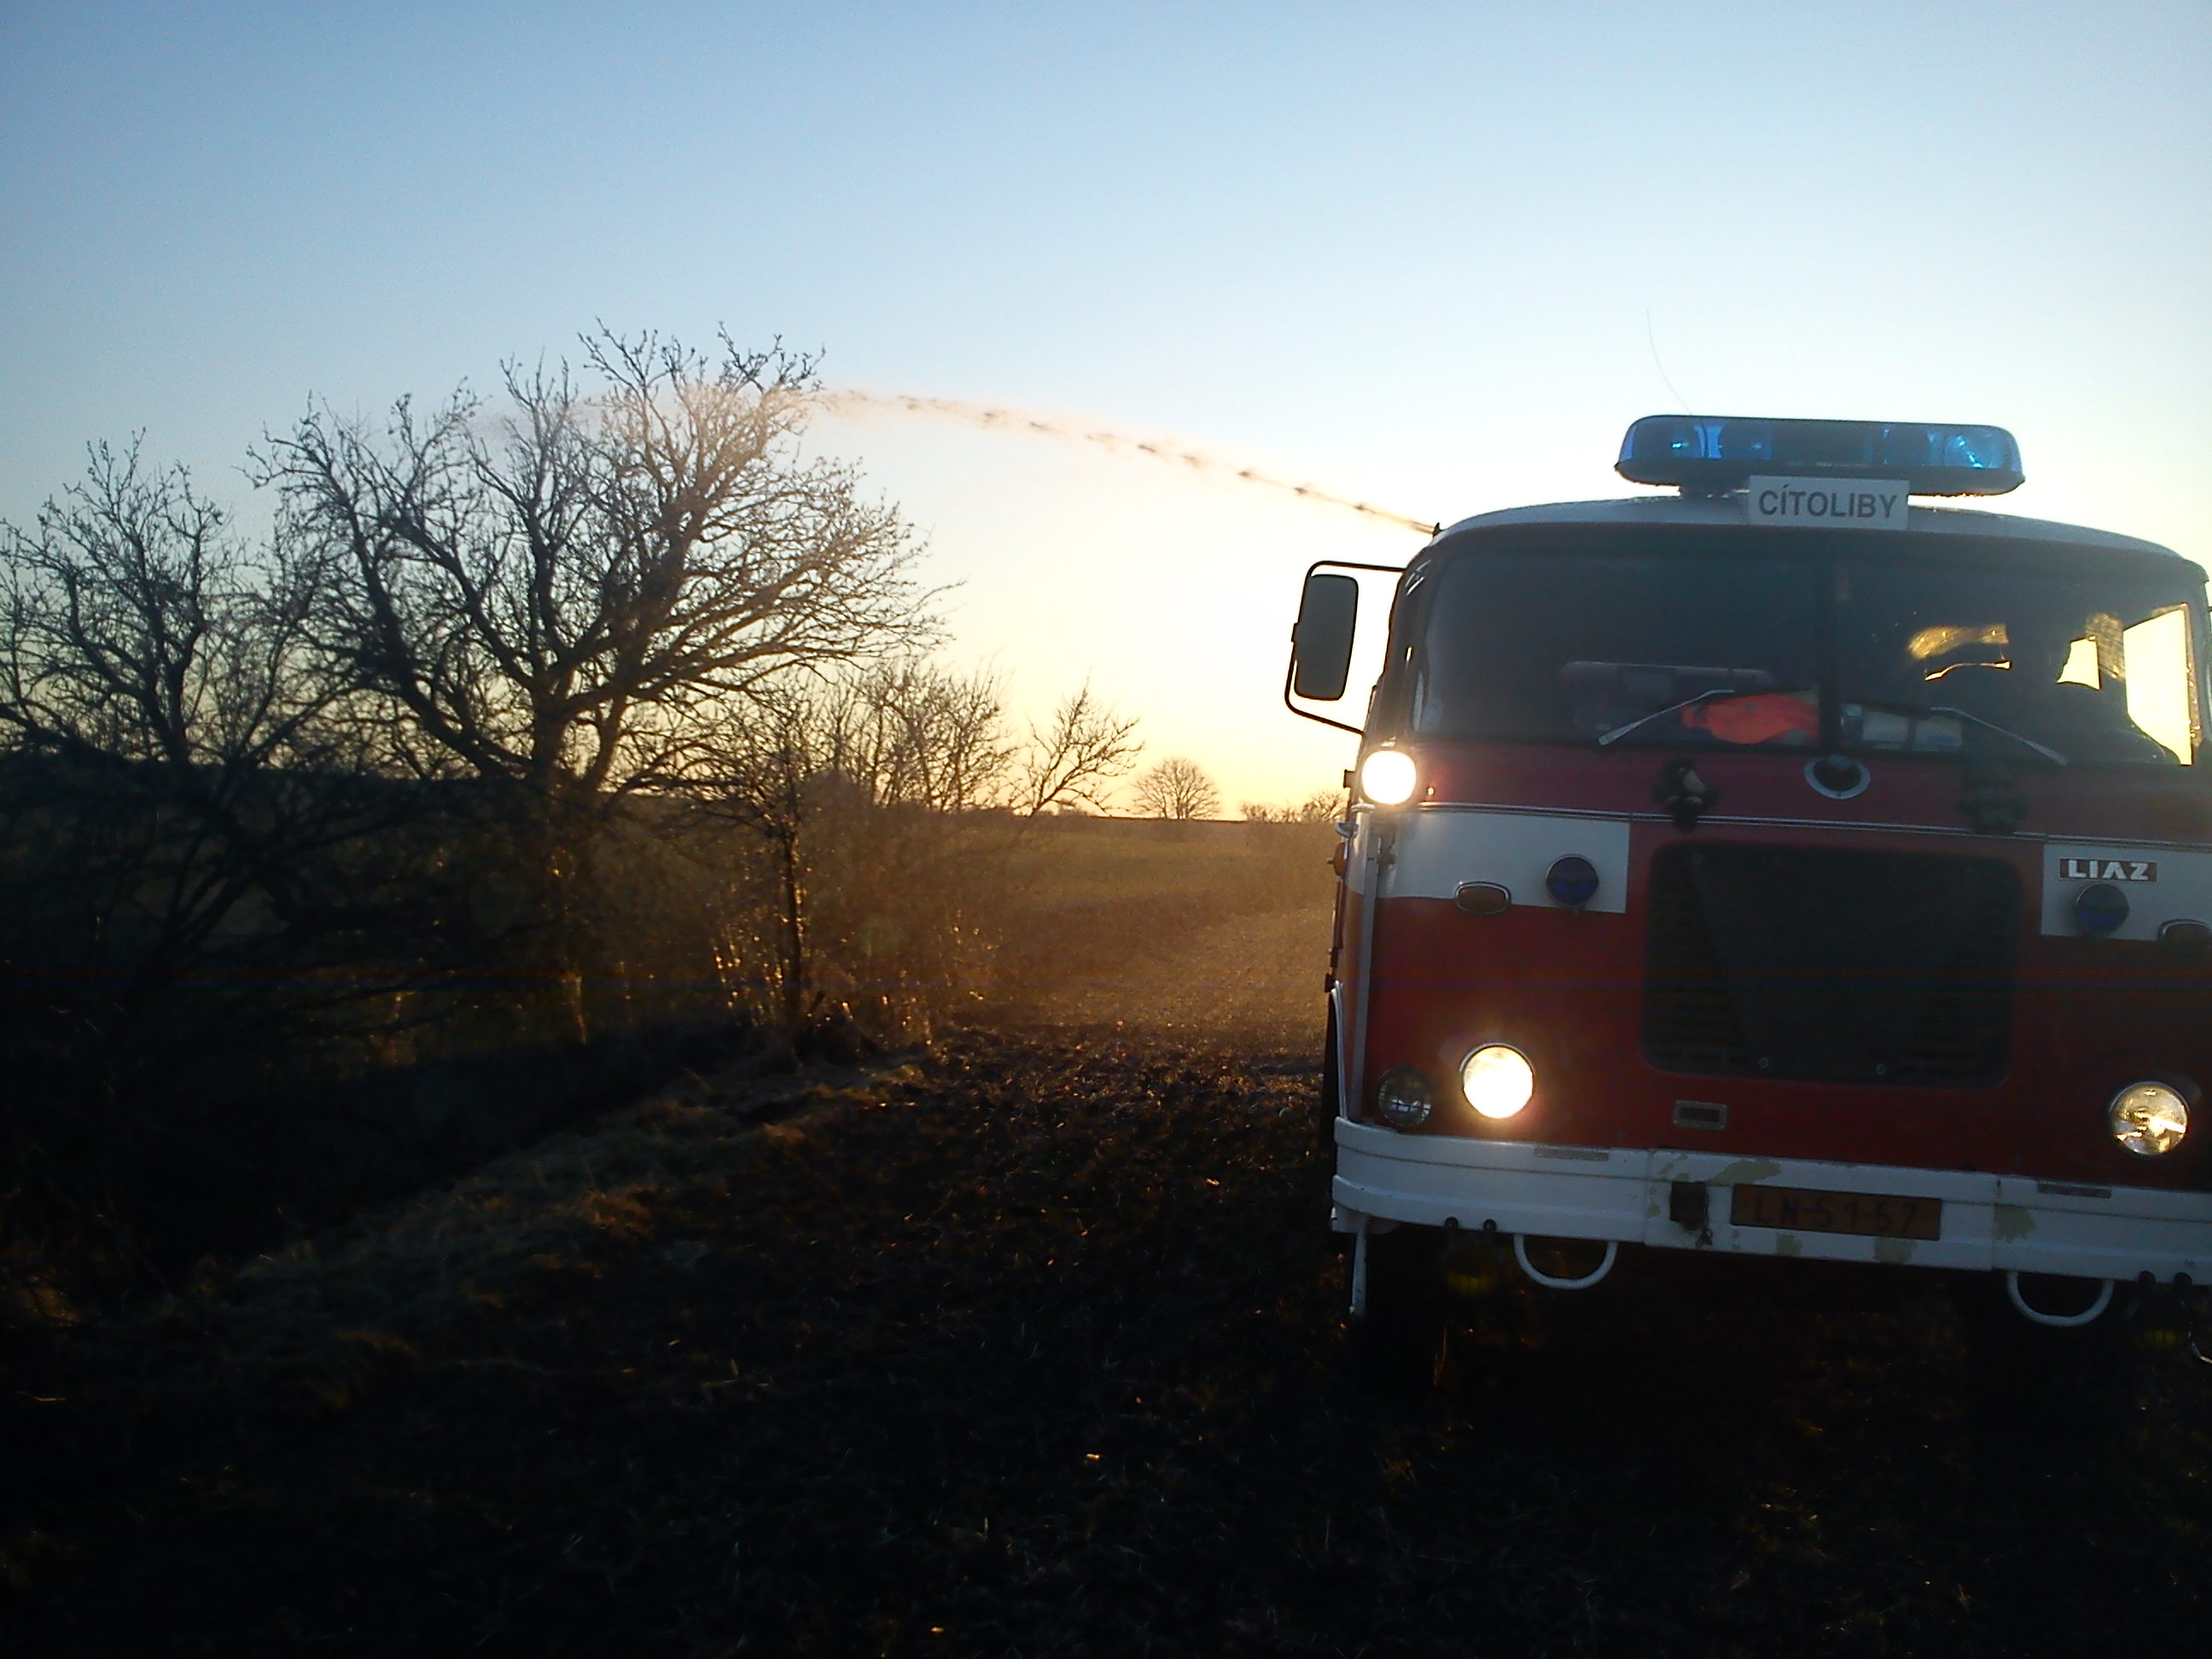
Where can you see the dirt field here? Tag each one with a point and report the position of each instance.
(1213, 932)
(1257, 979)
(1032, 1344)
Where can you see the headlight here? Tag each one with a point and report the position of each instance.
(1403, 1098)
(1386, 777)
(1497, 1080)
(2148, 1118)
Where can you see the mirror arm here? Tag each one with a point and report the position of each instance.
(1290, 675)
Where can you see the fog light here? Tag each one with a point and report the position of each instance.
(1473, 1268)
(2160, 1322)
(2147, 1119)
(1386, 777)
(1403, 1098)
(1497, 1080)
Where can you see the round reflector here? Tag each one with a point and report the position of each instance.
(2099, 908)
(1571, 881)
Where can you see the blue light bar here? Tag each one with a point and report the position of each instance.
(1708, 454)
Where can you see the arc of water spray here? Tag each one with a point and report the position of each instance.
(1159, 449)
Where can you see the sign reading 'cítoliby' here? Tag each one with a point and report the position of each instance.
(1828, 503)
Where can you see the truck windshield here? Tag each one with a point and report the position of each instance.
(2095, 670)
(1571, 648)
(1709, 650)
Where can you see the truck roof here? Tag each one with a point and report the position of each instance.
(1727, 511)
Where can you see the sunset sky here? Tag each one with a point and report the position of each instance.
(1434, 257)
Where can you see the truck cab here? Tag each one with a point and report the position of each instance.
(1778, 866)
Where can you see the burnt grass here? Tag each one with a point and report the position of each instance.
(1034, 1345)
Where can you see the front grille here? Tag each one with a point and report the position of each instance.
(1831, 965)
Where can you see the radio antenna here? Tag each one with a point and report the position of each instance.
(1652, 339)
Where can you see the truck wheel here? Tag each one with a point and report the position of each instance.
(1399, 1341)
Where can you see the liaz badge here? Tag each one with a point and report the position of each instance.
(2104, 869)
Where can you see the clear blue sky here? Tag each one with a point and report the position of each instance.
(1407, 252)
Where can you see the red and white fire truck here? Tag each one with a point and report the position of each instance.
(1781, 867)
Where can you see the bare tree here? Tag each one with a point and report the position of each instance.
(1178, 789)
(763, 768)
(136, 627)
(858, 788)
(191, 844)
(1322, 807)
(1075, 759)
(139, 634)
(568, 598)
(915, 734)
(561, 599)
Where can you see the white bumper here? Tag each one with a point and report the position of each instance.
(1586, 1191)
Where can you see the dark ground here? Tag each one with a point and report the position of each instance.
(1034, 1346)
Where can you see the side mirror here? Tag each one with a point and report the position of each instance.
(1321, 644)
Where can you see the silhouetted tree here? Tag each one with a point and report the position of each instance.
(1322, 807)
(189, 829)
(861, 789)
(1177, 789)
(139, 632)
(763, 777)
(914, 734)
(151, 663)
(568, 599)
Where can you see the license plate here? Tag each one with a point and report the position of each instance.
(1796, 1209)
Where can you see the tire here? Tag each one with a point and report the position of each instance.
(1398, 1343)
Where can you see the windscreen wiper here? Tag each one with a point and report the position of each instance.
(2043, 750)
(1719, 692)
(1920, 711)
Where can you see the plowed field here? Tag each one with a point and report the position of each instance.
(1033, 1343)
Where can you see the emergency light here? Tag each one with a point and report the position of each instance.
(1708, 454)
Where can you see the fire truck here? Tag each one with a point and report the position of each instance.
(1778, 866)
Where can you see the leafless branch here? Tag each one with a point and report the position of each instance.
(1077, 756)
